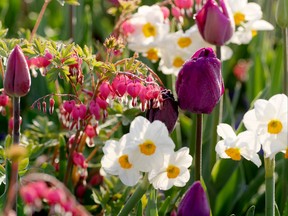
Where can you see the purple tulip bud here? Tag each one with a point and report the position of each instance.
(215, 23)
(167, 113)
(199, 84)
(17, 79)
(194, 202)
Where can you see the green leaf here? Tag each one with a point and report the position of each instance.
(164, 207)
(62, 157)
(151, 209)
(129, 115)
(67, 51)
(38, 47)
(285, 211)
(251, 211)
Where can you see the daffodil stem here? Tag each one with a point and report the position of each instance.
(270, 187)
(134, 199)
(11, 201)
(285, 55)
(198, 149)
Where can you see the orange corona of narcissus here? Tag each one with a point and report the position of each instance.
(199, 84)
(17, 80)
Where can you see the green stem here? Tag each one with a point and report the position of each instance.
(285, 55)
(198, 151)
(13, 184)
(270, 187)
(137, 195)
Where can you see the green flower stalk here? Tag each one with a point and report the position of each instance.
(17, 82)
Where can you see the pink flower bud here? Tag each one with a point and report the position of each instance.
(127, 28)
(40, 61)
(94, 109)
(90, 131)
(79, 112)
(55, 196)
(165, 12)
(215, 23)
(69, 105)
(185, 4)
(4, 99)
(104, 90)
(199, 85)
(17, 80)
(102, 103)
(44, 107)
(28, 194)
(79, 159)
(133, 89)
(176, 12)
(51, 105)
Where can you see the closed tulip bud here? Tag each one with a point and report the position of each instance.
(17, 80)
(215, 23)
(282, 13)
(194, 202)
(199, 85)
(167, 113)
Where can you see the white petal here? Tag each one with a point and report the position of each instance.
(252, 11)
(139, 126)
(220, 149)
(249, 139)
(225, 131)
(250, 121)
(182, 157)
(129, 177)
(182, 179)
(261, 25)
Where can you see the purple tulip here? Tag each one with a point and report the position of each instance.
(199, 85)
(168, 113)
(194, 202)
(17, 80)
(215, 23)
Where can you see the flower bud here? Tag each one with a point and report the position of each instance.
(282, 13)
(168, 113)
(186, 4)
(199, 84)
(194, 202)
(215, 23)
(17, 80)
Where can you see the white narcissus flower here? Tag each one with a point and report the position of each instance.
(148, 28)
(147, 143)
(116, 162)
(234, 147)
(247, 17)
(269, 120)
(173, 171)
(247, 31)
(177, 47)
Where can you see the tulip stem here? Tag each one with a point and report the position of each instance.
(285, 55)
(134, 199)
(198, 150)
(13, 188)
(270, 187)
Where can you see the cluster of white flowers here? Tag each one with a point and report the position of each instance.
(266, 127)
(248, 20)
(147, 148)
(148, 32)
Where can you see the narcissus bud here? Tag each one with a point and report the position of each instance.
(282, 13)
(17, 80)
(199, 85)
(215, 23)
(167, 113)
(195, 202)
